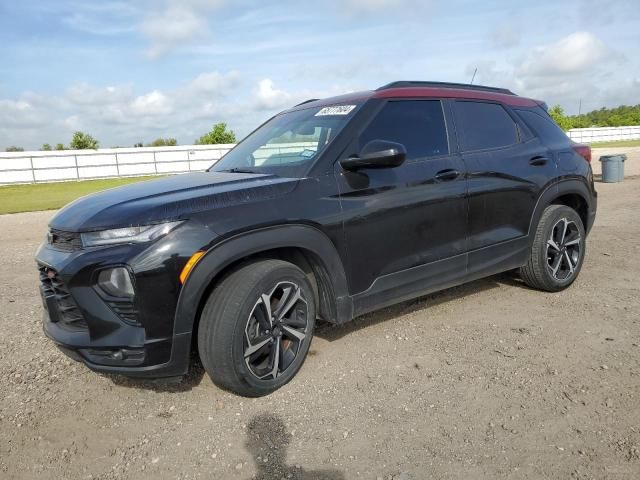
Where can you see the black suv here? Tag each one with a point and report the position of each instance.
(329, 210)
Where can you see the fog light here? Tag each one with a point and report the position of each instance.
(116, 282)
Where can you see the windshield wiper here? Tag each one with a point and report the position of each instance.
(239, 170)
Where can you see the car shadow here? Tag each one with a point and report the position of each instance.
(164, 385)
(267, 442)
(331, 332)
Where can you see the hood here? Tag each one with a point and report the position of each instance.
(166, 199)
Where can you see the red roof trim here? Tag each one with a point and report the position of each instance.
(430, 92)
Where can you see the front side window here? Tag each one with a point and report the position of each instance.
(417, 124)
(484, 125)
(289, 143)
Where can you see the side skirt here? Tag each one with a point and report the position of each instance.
(498, 258)
(442, 274)
(411, 283)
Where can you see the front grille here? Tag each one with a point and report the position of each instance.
(65, 241)
(57, 297)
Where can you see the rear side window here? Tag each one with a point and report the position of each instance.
(544, 127)
(484, 125)
(417, 124)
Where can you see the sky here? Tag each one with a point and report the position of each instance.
(133, 71)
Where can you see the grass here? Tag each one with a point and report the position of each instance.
(50, 196)
(617, 143)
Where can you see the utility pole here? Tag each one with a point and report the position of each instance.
(580, 107)
(474, 75)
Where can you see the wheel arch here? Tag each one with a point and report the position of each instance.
(305, 246)
(572, 193)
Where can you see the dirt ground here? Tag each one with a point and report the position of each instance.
(488, 380)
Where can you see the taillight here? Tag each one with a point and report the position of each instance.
(583, 150)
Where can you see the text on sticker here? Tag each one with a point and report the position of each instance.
(336, 110)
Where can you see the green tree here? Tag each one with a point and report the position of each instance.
(46, 147)
(622, 116)
(59, 146)
(218, 134)
(13, 148)
(83, 141)
(163, 142)
(557, 113)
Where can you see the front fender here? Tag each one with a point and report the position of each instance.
(234, 248)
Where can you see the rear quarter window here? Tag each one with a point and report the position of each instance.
(484, 125)
(544, 127)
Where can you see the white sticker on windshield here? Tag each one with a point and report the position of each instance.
(336, 110)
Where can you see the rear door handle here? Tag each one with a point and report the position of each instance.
(538, 161)
(447, 175)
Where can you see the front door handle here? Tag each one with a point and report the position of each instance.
(447, 175)
(538, 161)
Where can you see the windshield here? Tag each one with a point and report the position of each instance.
(289, 143)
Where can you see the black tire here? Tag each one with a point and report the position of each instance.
(548, 254)
(236, 315)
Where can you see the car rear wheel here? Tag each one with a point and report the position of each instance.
(558, 250)
(256, 327)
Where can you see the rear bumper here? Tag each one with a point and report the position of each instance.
(592, 212)
(591, 221)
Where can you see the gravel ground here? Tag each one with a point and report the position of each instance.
(488, 380)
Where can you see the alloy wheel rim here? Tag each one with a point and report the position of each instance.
(564, 248)
(275, 331)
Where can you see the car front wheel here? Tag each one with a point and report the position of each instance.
(256, 327)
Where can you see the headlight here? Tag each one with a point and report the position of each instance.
(127, 235)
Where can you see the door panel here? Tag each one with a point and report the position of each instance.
(400, 218)
(506, 172)
(504, 186)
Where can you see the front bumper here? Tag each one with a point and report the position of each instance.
(101, 359)
(92, 330)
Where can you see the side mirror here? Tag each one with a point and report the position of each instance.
(376, 154)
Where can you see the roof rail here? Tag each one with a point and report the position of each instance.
(464, 86)
(307, 101)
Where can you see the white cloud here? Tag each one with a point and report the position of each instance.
(268, 97)
(214, 82)
(151, 104)
(118, 115)
(578, 68)
(19, 114)
(73, 122)
(84, 94)
(573, 54)
(180, 22)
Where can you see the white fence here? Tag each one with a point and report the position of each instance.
(604, 134)
(65, 165)
(62, 165)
